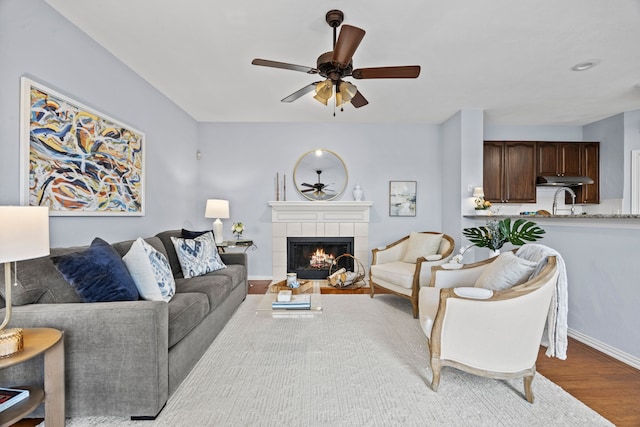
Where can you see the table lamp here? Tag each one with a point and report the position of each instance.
(478, 193)
(217, 208)
(24, 234)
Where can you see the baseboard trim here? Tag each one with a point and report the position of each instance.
(259, 278)
(617, 354)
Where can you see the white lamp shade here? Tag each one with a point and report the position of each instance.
(478, 192)
(217, 208)
(24, 232)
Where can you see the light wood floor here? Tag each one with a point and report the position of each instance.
(606, 385)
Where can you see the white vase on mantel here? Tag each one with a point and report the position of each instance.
(357, 193)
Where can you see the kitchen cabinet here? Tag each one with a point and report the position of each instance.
(590, 166)
(572, 159)
(559, 159)
(509, 171)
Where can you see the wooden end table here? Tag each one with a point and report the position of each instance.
(39, 341)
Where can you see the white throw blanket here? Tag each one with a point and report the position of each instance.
(557, 318)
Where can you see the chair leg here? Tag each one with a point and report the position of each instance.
(435, 370)
(528, 392)
(414, 303)
(372, 289)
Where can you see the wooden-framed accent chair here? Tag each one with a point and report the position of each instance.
(404, 266)
(497, 336)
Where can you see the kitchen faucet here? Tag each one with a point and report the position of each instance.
(555, 200)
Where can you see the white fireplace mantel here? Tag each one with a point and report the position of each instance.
(317, 219)
(320, 211)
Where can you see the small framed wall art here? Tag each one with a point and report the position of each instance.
(76, 160)
(402, 198)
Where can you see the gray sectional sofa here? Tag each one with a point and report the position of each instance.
(124, 358)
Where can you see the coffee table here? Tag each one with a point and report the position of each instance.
(264, 307)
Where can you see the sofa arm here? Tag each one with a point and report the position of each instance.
(234, 258)
(116, 355)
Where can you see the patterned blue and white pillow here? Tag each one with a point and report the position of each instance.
(151, 271)
(198, 256)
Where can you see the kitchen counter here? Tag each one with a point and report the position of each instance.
(581, 220)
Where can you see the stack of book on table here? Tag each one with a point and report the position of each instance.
(287, 301)
(11, 396)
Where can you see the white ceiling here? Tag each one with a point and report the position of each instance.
(511, 59)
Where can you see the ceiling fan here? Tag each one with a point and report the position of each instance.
(334, 66)
(319, 189)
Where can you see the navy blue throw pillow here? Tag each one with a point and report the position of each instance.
(188, 234)
(97, 274)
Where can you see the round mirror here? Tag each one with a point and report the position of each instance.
(320, 175)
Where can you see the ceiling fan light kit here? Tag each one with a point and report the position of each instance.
(336, 65)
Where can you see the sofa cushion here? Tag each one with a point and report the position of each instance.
(172, 256)
(186, 311)
(506, 271)
(197, 256)
(421, 245)
(151, 271)
(398, 272)
(97, 273)
(123, 247)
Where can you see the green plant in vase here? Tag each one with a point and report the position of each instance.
(496, 233)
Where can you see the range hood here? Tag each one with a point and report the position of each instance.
(563, 181)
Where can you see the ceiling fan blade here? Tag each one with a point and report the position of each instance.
(284, 66)
(309, 189)
(402, 72)
(358, 100)
(348, 41)
(306, 185)
(300, 92)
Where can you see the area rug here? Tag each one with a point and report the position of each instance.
(363, 362)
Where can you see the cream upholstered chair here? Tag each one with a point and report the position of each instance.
(403, 266)
(497, 337)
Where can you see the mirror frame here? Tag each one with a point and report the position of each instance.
(333, 167)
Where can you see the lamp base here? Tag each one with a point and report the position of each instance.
(11, 342)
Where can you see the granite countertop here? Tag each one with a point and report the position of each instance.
(577, 216)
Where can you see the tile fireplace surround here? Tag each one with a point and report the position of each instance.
(318, 219)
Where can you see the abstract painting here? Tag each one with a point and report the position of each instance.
(402, 198)
(76, 160)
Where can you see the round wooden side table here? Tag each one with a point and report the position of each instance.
(39, 341)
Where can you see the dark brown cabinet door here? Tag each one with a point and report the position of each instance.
(547, 159)
(520, 172)
(493, 171)
(590, 159)
(509, 171)
(569, 156)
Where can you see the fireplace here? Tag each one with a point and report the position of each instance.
(317, 219)
(313, 257)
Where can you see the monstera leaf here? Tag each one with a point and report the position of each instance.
(520, 232)
(496, 233)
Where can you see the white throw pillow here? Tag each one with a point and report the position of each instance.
(150, 271)
(506, 271)
(421, 244)
(198, 256)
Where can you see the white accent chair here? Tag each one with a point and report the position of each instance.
(391, 271)
(498, 337)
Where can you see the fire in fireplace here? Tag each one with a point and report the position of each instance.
(313, 257)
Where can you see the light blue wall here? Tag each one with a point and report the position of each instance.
(610, 133)
(532, 133)
(240, 161)
(36, 41)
